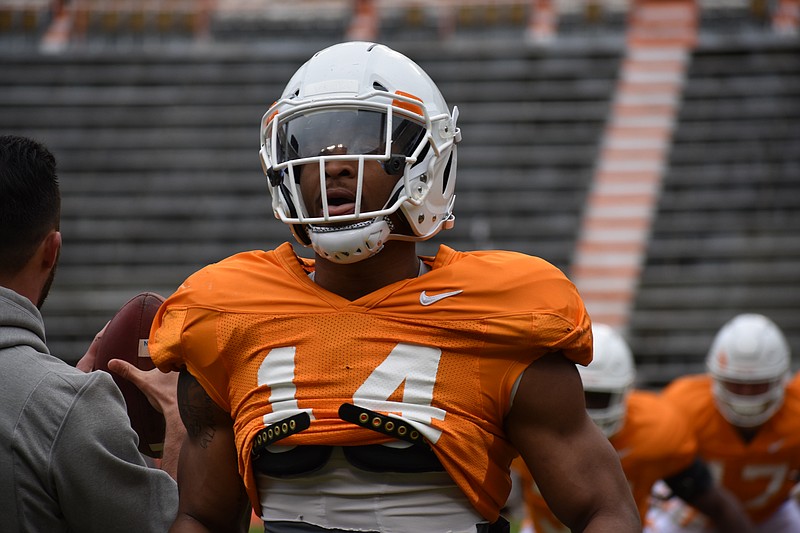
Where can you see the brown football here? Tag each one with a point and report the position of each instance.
(126, 338)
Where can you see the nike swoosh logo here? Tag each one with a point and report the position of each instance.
(424, 299)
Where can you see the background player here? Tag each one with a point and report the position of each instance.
(745, 420)
(652, 440)
(314, 379)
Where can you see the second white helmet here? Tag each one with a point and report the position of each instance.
(608, 379)
(749, 364)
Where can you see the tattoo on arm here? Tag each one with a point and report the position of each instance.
(198, 411)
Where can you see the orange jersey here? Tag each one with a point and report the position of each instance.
(794, 383)
(443, 351)
(653, 443)
(760, 473)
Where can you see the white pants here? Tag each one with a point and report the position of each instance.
(340, 496)
(675, 516)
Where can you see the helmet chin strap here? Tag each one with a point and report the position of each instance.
(350, 243)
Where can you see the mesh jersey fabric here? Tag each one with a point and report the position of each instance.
(266, 342)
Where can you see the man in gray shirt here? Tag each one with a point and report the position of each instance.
(68, 455)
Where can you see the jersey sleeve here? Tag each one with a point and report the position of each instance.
(529, 286)
(572, 335)
(564, 324)
(99, 475)
(184, 335)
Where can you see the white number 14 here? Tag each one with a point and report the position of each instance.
(417, 366)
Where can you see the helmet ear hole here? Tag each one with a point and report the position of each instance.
(446, 175)
(422, 154)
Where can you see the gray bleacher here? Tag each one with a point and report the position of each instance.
(726, 238)
(158, 162)
(532, 120)
(158, 166)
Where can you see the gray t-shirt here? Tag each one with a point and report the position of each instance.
(68, 455)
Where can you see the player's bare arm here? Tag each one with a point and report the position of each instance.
(212, 495)
(575, 467)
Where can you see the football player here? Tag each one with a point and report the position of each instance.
(745, 420)
(653, 441)
(368, 388)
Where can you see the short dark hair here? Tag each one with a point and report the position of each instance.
(30, 200)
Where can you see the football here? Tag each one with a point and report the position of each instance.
(125, 338)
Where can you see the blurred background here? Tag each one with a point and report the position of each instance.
(648, 148)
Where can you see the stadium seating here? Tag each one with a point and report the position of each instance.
(160, 174)
(726, 237)
(158, 165)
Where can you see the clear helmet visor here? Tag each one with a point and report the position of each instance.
(317, 136)
(345, 131)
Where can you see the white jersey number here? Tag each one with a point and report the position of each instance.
(775, 473)
(416, 366)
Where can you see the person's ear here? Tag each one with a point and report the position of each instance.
(50, 248)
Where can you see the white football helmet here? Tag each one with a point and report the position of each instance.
(749, 352)
(608, 379)
(360, 102)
